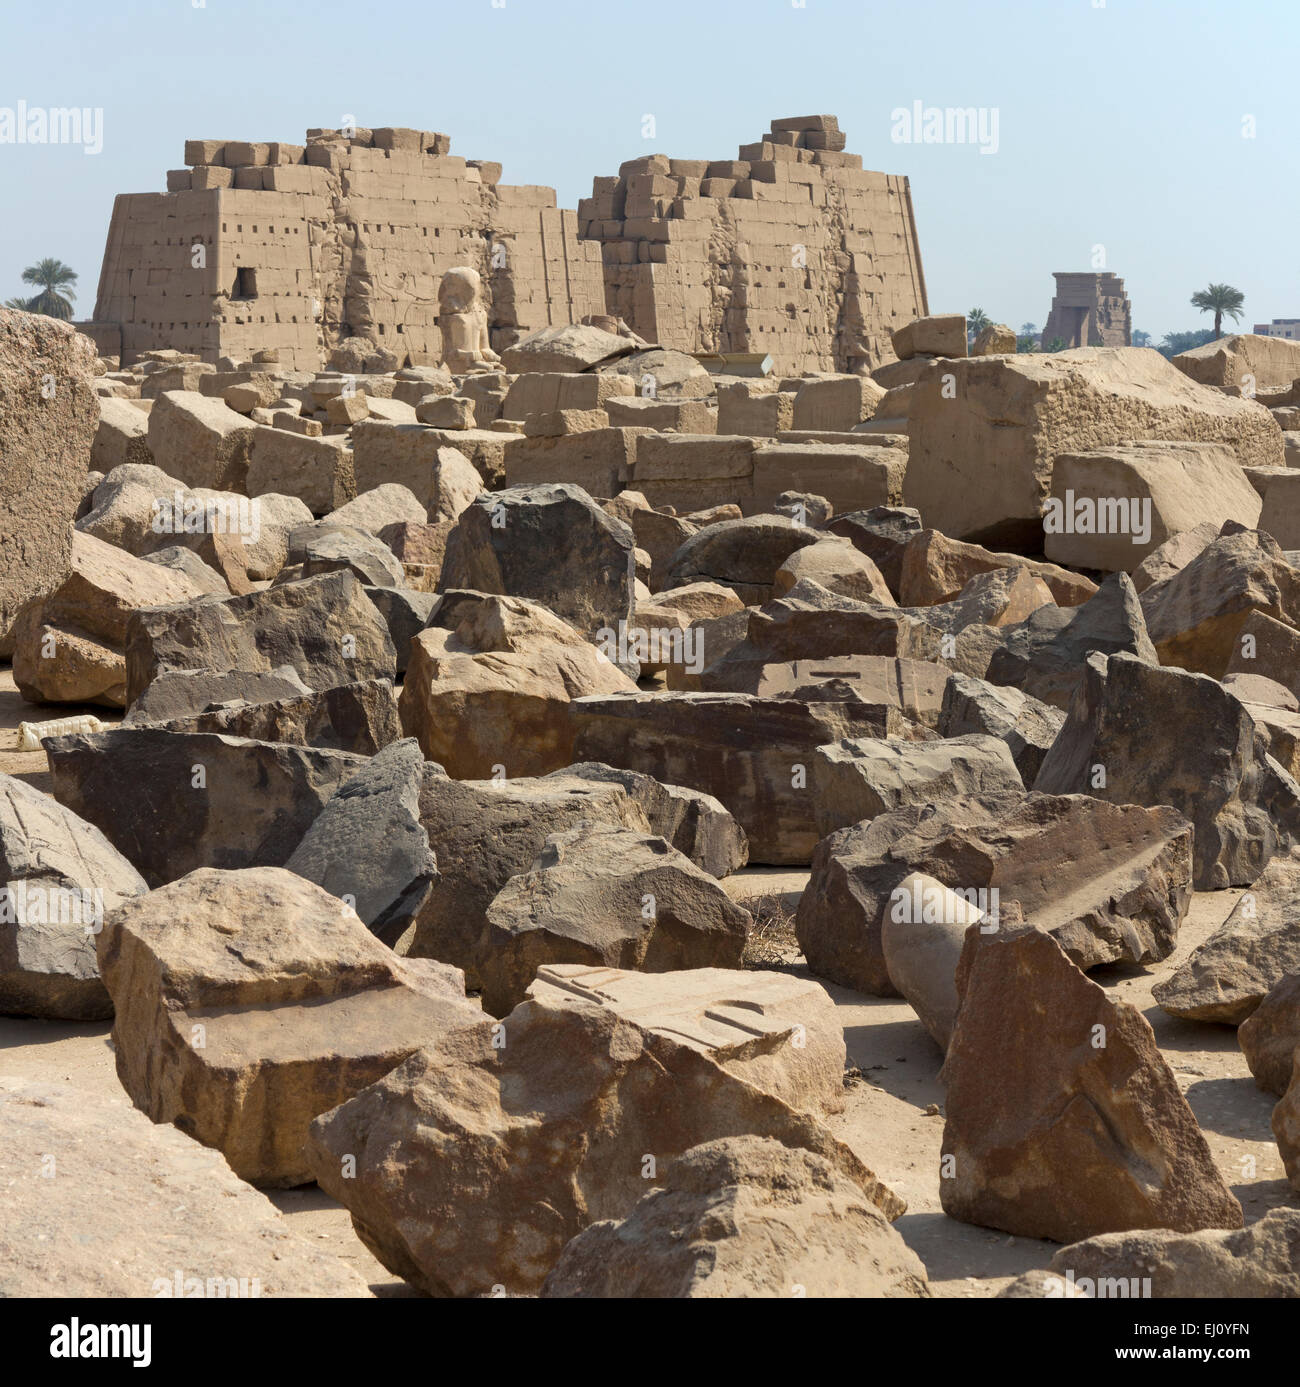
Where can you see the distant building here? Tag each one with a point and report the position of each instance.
(1089, 310)
(1280, 327)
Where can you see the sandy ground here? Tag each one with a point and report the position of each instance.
(893, 1115)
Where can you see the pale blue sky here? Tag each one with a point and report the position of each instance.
(1120, 124)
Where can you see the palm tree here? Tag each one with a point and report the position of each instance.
(1140, 338)
(55, 281)
(1029, 329)
(1219, 299)
(24, 305)
(976, 321)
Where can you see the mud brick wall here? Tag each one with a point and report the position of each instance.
(791, 249)
(304, 245)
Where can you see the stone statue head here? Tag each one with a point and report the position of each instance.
(459, 291)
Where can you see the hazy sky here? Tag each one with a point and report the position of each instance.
(1120, 125)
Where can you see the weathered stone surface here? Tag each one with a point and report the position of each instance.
(1174, 486)
(1270, 1035)
(386, 504)
(1269, 362)
(859, 778)
(138, 786)
(298, 1007)
(1044, 655)
(154, 1214)
(742, 1217)
(88, 611)
(1111, 883)
(206, 579)
(440, 477)
(122, 436)
(941, 334)
(360, 718)
(743, 555)
(981, 454)
(695, 823)
(58, 876)
(368, 846)
(1247, 956)
(837, 566)
(810, 623)
(1000, 597)
(1267, 647)
(319, 551)
(603, 895)
(1262, 1261)
(45, 447)
(1051, 1133)
(326, 628)
(180, 693)
(201, 442)
(935, 569)
(436, 1208)
(1130, 719)
(574, 347)
(1174, 554)
(880, 533)
(484, 832)
(490, 682)
(743, 749)
(550, 544)
(1026, 725)
(320, 472)
(1196, 617)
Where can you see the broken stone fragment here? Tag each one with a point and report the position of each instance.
(1063, 1120)
(744, 1216)
(249, 1002)
(600, 894)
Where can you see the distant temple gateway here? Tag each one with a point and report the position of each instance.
(792, 250)
(1090, 310)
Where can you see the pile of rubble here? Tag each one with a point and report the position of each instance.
(456, 700)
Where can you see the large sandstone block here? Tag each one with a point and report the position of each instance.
(48, 418)
(934, 568)
(1270, 1035)
(602, 895)
(60, 876)
(1063, 1119)
(473, 1168)
(942, 334)
(439, 476)
(742, 1217)
(122, 436)
(489, 683)
(1125, 740)
(1111, 507)
(54, 635)
(743, 555)
(171, 802)
(599, 460)
(1262, 1261)
(360, 718)
(154, 1214)
(202, 442)
(836, 404)
(318, 471)
(1246, 957)
(484, 832)
(1111, 883)
(551, 544)
(1242, 363)
(326, 628)
(249, 1002)
(850, 478)
(756, 755)
(1197, 617)
(982, 449)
